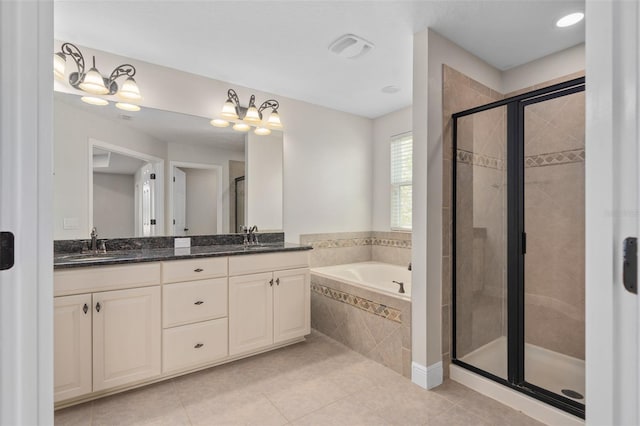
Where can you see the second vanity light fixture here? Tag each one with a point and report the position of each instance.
(94, 83)
(245, 117)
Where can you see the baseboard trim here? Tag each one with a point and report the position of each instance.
(516, 400)
(427, 377)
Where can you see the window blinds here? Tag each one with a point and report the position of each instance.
(401, 184)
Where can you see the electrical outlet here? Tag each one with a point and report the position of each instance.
(182, 242)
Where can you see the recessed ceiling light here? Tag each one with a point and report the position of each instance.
(390, 89)
(570, 19)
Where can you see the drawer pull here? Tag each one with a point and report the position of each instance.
(85, 308)
(199, 302)
(199, 345)
(98, 307)
(278, 281)
(271, 282)
(198, 270)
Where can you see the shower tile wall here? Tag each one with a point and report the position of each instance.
(554, 306)
(351, 247)
(481, 141)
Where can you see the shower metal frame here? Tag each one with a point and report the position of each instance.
(516, 243)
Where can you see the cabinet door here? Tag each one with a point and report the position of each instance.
(126, 336)
(291, 304)
(250, 312)
(72, 346)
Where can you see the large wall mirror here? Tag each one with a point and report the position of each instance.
(155, 173)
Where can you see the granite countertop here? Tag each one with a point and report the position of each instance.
(118, 257)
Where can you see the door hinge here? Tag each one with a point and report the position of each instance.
(7, 244)
(152, 176)
(174, 178)
(153, 221)
(630, 265)
(174, 221)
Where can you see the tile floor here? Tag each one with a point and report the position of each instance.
(318, 382)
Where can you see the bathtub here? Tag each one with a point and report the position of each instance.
(375, 276)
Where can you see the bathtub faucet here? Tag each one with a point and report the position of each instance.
(401, 284)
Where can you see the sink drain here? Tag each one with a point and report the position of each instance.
(572, 394)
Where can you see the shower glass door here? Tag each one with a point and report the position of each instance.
(554, 263)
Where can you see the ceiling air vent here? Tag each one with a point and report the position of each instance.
(351, 46)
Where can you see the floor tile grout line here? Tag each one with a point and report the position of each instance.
(175, 389)
(276, 407)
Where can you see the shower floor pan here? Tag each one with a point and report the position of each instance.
(544, 368)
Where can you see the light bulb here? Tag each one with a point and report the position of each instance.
(570, 19)
(127, 107)
(252, 115)
(241, 127)
(229, 110)
(129, 90)
(262, 131)
(217, 122)
(274, 121)
(93, 82)
(59, 65)
(94, 101)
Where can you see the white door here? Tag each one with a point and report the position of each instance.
(72, 346)
(612, 204)
(126, 336)
(250, 312)
(179, 202)
(26, 142)
(291, 304)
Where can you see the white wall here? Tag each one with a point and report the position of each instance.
(384, 128)
(113, 205)
(202, 201)
(327, 153)
(72, 129)
(263, 182)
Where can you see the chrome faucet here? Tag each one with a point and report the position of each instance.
(250, 236)
(94, 240)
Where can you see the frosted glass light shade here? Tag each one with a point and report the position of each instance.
(217, 122)
(262, 131)
(94, 101)
(59, 65)
(252, 116)
(274, 121)
(570, 19)
(241, 127)
(127, 107)
(93, 83)
(229, 111)
(129, 90)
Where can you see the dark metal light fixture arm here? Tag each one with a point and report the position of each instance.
(69, 49)
(233, 97)
(124, 69)
(271, 103)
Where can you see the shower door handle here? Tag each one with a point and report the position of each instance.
(630, 265)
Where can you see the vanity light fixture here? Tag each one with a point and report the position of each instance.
(245, 117)
(94, 82)
(570, 19)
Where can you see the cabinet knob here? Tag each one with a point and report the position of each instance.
(278, 281)
(85, 308)
(199, 302)
(98, 306)
(198, 346)
(271, 282)
(198, 270)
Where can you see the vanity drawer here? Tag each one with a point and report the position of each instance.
(103, 278)
(194, 344)
(194, 269)
(187, 302)
(267, 262)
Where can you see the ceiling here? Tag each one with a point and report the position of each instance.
(282, 46)
(170, 127)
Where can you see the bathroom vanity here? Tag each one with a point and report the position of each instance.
(139, 317)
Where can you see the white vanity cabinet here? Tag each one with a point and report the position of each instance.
(268, 307)
(105, 339)
(194, 313)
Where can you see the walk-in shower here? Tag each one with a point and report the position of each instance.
(518, 243)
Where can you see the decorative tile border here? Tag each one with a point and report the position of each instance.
(468, 157)
(553, 158)
(539, 160)
(359, 242)
(366, 305)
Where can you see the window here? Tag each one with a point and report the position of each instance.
(401, 185)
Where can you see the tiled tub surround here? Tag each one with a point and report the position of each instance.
(351, 247)
(374, 324)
